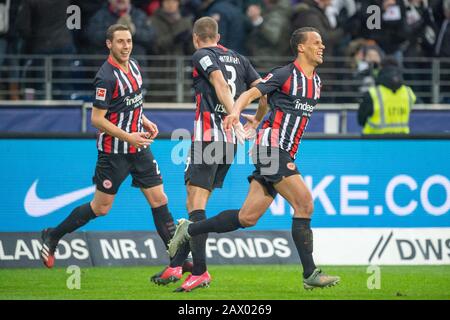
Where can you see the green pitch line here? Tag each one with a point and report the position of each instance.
(270, 282)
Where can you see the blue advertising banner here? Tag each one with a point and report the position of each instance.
(355, 183)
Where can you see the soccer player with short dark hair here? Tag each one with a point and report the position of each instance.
(124, 136)
(293, 91)
(220, 75)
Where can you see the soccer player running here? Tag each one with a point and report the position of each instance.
(293, 91)
(219, 75)
(123, 139)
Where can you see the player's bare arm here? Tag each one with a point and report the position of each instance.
(222, 89)
(137, 139)
(244, 100)
(151, 127)
(223, 93)
(253, 121)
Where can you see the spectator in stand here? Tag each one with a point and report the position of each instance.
(173, 37)
(365, 62)
(393, 30)
(421, 27)
(270, 32)
(9, 44)
(42, 26)
(88, 9)
(311, 13)
(174, 32)
(148, 6)
(339, 11)
(191, 8)
(231, 22)
(4, 27)
(120, 12)
(442, 48)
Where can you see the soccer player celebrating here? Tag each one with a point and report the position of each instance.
(293, 91)
(219, 75)
(124, 136)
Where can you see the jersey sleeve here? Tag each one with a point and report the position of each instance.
(103, 93)
(272, 81)
(205, 62)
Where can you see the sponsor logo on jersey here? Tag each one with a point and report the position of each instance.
(304, 106)
(133, 101)
(267, 77)
(100, 94)
(205, 62)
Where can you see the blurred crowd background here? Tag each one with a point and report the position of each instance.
(413, 32)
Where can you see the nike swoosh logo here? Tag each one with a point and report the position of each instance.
(37, 207)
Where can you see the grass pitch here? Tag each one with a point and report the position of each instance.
(254, 282)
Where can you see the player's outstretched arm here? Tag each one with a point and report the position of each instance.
(244, 100)
(137, 139)
(253, 120)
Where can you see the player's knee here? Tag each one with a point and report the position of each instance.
(159, 200)
(247, 220)
(304, 208)
(101, 210)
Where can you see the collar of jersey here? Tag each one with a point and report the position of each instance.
(112, 62)
(297, 65)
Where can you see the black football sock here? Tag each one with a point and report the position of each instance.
(181, 255)
(225, 221)
(303, 239)
(164, 223)
(198, 244)
(77, 218)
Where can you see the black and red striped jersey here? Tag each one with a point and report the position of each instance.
(292, 97)
(120, 93)
(239, 74)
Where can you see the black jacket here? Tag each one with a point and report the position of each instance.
(42, 24)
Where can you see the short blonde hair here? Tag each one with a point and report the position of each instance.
(206, 28)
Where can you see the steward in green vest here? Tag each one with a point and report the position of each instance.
(386, 107)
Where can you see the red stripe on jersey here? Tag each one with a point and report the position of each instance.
(260, 134)
(116, 90)
(277, 120)
(286, 88)
(309, 87)
(275, 132)
(132, 80)
(134, 125)
(222, 47)
(298, 136)
(265, 125)
(195, 73)
(198, 99)
(107, 141)
(206, 126)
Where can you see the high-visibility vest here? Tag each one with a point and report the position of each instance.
(390, 110)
